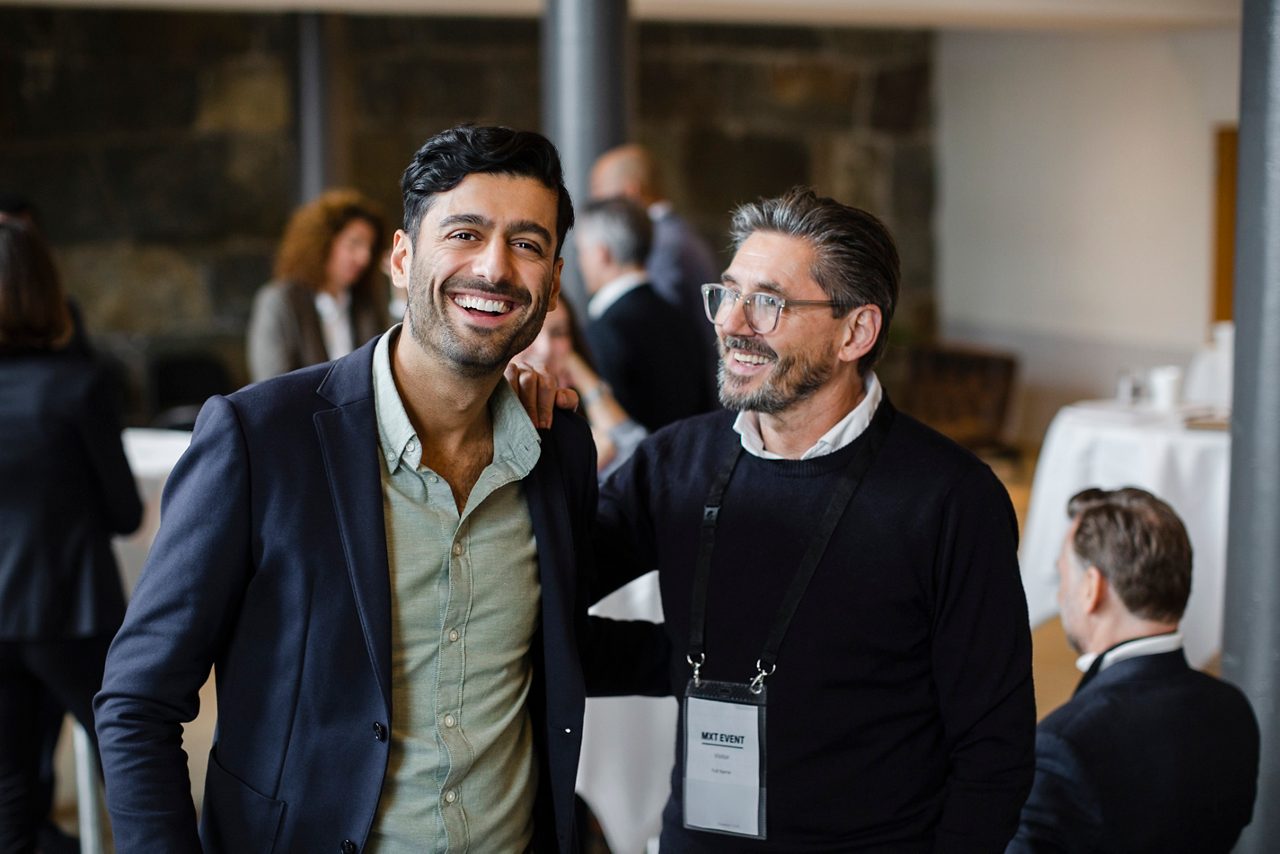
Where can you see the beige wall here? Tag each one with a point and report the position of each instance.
(1076, 198)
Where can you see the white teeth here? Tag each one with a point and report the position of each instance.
(491, 306)
(749, 358)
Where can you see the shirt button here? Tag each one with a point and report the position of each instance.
(432, 479)
(457, 549)
(453, 635)
(450, 721)
(450, 796)
(348, 847)
(379, 731)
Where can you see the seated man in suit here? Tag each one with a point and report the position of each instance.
(1149, 755)
(381, 556)
(641, 346)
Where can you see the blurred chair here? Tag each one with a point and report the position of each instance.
(180, 383)
(963, 392)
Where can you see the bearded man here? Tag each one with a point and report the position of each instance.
(380, 557)
(840, 583)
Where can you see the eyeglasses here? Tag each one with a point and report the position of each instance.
(762, 309)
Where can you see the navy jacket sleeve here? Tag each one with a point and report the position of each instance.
(982, 667)
(182, 611)
(1062, 812)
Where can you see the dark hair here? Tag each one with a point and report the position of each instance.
(33, 308)
(451, 155)
(303, 256)
(621, 225)
(856, 260)
(1139, 545)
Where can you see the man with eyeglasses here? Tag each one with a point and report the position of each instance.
(849, 634)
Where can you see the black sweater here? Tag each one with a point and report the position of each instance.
(901, 716)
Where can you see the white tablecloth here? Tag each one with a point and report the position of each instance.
(1108, 445)
(628, 743)
(152, 455)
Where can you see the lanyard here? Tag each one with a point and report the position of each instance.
(852, 475)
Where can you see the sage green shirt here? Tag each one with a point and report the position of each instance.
(464, 607)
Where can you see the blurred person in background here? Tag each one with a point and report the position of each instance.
(65, 489)
(680, 262)
(561, 352)
(326, 298)
(1148, 754)
(642, 345)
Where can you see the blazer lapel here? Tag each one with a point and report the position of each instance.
(348, 436)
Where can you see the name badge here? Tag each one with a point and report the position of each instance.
(724, 758)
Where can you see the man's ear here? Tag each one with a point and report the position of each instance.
(554, 297)
(861, 330)
(400, 261)
(1094, 590)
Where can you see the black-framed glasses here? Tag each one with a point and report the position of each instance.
(761, 308)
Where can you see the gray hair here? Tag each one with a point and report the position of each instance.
(621, 225)
(856, 261)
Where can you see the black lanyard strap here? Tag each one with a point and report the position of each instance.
(868, 446)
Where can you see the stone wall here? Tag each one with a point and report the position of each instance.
(161, 147)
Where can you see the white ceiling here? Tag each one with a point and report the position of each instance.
(1023, 14)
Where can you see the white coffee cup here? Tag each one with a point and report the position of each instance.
(1165, 386)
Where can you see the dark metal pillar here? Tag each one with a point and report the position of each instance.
(1251, 642)
(585, 79)
(313, 108)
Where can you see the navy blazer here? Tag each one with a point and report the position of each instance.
(653, 362)
(65, 488)
(271, 565)
(1149, 756)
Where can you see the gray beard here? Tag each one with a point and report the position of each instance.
(789, 381)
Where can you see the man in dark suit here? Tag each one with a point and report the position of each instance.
(679, 261)
(641, 345)
(1149, 755)
(380, 556)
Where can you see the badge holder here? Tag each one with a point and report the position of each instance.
(724, 722)
(724, 756)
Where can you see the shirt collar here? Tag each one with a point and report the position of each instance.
(848, 428)
(604, 298)
(658, 210)
(515, 440)
(1151, 645)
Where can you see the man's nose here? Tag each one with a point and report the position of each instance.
(493, 263)
(734, 319)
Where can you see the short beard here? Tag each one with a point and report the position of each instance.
(470, 360)
(789, 381)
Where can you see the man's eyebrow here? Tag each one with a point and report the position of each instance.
(523, 226)
(528, 226)
(767, 286)
(466, 219)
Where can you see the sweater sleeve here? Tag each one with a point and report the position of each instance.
(982, 667)
(624, 543)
